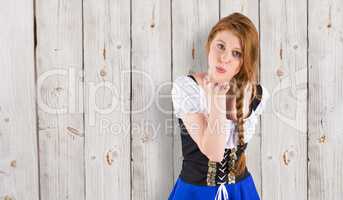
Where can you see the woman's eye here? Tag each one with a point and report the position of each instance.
(220, 46)
(236, 54)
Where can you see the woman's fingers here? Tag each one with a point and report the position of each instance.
(226, 87)
(222, 88)
(215, 88)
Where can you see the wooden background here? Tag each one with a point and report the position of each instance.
(86, 112)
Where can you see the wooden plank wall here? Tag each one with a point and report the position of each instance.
(86, 112)
(283, 31)
(325, 71)
(152, 152)
(60, 122)
(18, 120)
(107, 99)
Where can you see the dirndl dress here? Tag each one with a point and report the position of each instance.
(201, 178)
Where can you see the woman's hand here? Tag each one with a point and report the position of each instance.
(215, 89)
(216, 94)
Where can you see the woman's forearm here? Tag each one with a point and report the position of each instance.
(214, 136)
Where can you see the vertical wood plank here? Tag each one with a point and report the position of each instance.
(107, 99)
(284, 73)
(18, 135)
(325, 32)
(249, 8)
(152, 155)
(192, 21)
(60, 113)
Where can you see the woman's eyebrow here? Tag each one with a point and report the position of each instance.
(234, 47)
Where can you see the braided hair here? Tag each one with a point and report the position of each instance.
(240, 96)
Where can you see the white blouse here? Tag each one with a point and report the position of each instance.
(189, 97)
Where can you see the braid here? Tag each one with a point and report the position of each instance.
(239, 108)
(241, 162)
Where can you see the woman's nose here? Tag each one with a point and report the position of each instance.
(225, 57)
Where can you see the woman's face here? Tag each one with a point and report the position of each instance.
(225, 56)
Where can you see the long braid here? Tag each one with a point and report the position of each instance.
(241, 162)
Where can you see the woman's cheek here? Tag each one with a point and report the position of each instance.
(212, 62)
(237, 68)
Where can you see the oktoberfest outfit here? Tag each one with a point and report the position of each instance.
(201, 178)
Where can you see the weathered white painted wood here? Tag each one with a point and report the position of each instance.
(325, 150)
(107, 99)
(18, 139)
(283, 72)
(192, 21)
(152, 155)
(61, 131)
(250, 9)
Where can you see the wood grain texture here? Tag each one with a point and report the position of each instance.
(18, 131)
(325, 103)
(192, 21)
(283, 71)
(152, 155)
(60, 113)
(107, 99)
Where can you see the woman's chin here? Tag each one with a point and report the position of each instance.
(219, 77)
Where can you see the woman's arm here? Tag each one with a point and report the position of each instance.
(209, 133)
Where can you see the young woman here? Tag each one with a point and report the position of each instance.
(217, 112)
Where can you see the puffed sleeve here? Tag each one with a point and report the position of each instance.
(186, 96)
(251, 121)
(265, 97)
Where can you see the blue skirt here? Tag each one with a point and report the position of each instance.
(242, 190)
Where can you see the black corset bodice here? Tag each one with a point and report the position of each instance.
(199, 170)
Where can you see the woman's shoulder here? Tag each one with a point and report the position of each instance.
(262, 92)
(199, 77)
(186, 96)
(261, 98)
(190, 79)
(182, 79)
(185, 84)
